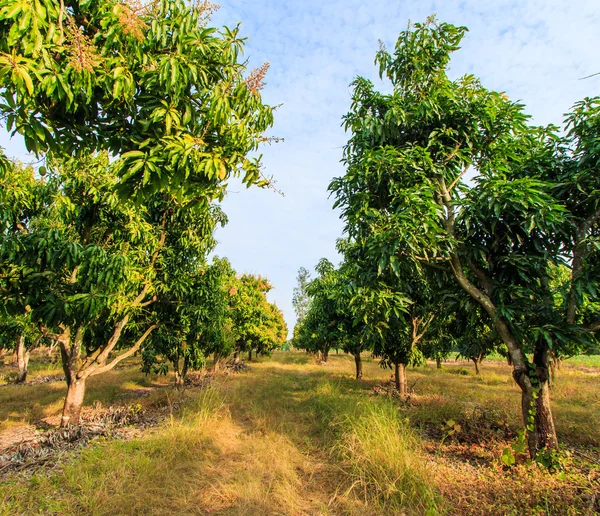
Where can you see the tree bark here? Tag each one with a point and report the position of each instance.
(22, 359)
(359, 366)
(544, 432)
(50, 349)
(236, 353)
(250, 355)
(325, 355)
(184, 369)
(73, 403)
(216, 362)
(477, 361)
(400, 379)
(438, 362)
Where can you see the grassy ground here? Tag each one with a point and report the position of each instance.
(293, 437)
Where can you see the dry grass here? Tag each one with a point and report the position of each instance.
(293, 437)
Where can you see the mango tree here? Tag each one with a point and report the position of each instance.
(92, 267)
(192, 320)
(21, 200)
(19, 335)
(255, 324)
(150, 83)
(404, 194)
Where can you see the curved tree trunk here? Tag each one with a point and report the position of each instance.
(359, 366)
(22, 359)
(544, 434)
(73, 403)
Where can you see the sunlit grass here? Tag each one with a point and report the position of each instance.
(287, 437)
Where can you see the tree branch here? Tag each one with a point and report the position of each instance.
(577, 265)
(455, 182)
(125, 355)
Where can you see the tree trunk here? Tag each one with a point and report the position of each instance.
(325, 355)
(216, 362)
(359, 366)
(250, 355)
(185, 368)
(236, 353)
(400, 379)
(544, 433)
(438, 362)
(73, 403)
(22, 359)
(477, 361)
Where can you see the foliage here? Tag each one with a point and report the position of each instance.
(151, 83)
(301, 299)
(95, 272)
(404, 199)
(255, 324)
(192, 324)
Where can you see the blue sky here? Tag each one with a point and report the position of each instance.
(535, 50)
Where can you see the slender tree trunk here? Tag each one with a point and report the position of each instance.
(22, 359)
(236, 353)
(250, 355)
(359, 366)
(438, 362)
(325, 355)
(184, 369)
(50, 349)
(400, 379)
(73, 403)
(179, 371)
(477, 361)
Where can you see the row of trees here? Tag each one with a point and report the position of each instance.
(140, 114)
(510, 256)
(105, 278)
